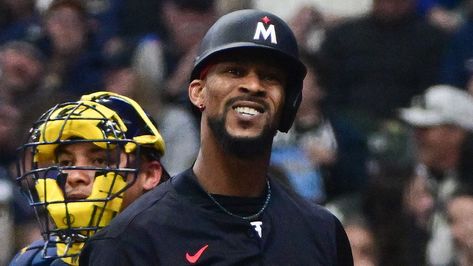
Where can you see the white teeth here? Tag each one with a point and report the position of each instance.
(246, 111)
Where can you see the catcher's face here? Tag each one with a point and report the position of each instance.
(78, 184)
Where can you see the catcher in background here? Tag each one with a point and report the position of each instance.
(83, 163)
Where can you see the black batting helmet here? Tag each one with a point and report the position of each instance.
(257, 30)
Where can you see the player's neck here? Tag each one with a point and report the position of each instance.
(221, 173)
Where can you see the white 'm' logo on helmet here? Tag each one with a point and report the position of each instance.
(261, 31)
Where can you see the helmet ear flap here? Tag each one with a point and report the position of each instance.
(290, 110)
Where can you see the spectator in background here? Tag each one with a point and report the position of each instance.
(362, 241)
(418, 199)
(377, 62)
(22, 96)
(186, 22)
(459, 211)
(446, 14)
(442, 125)
(17, 224)
(22, 67)
(177, 124)
(324, 157)
(173, 33)
(387, 204)
(20, 21)
(308, 146)
(104, 17)
(457, 67)
(309, 25)
(9, 130)
(22, 81)
(74, 57)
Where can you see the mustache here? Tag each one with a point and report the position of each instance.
(248, 98)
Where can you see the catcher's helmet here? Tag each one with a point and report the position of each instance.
(112, 123)
(257, 30)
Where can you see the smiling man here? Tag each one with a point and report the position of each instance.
(227, 209)
(243, 120)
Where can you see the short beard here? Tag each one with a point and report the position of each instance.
(242, 147)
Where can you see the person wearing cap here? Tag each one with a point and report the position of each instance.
(442, 124)
(83, 163)
(226, 209)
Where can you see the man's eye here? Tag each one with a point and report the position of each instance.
(235, 71)
(100, 162)
(272, 77)
(65, 163)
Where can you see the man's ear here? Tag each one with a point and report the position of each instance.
(152, 175)
(196, 95)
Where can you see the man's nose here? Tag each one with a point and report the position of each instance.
(252, 84)
(78, 177)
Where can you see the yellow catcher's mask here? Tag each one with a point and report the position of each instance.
(109, 121)
(94, 212)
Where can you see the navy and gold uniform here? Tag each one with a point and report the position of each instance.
(33, 255)
(77, 191)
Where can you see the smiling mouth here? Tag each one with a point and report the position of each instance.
(247, 111)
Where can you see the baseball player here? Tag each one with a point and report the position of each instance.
(83, 163)
(226, 209)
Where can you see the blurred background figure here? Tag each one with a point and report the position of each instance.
(459, 209)
(447, 14)
(309, 25)
(399, 217)
(322, 155)
(22, 82)
(17, 224)
(442, 127)
(418, 200)
(19, 21)
(362, 241)
(186, 22)
(377, 62)
(332, 10)
(442, 132)
(74, 56)
(125, 76)
(22, 69)
(457, 66)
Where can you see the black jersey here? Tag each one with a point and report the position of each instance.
(178, 224)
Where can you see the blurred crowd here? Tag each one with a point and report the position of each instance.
(383, 136)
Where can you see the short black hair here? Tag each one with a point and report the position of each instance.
(151, 154)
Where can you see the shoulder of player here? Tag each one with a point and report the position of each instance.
(290, 201)
(31, 255)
